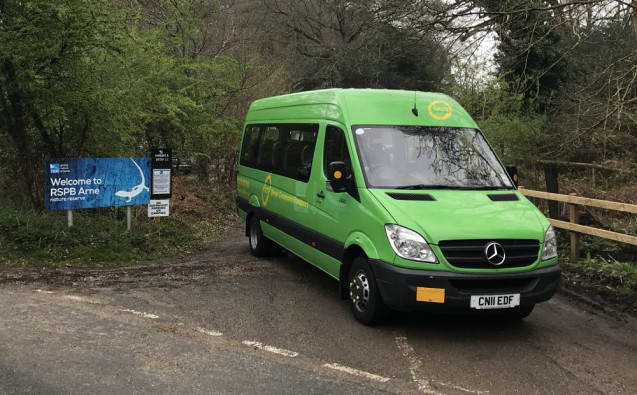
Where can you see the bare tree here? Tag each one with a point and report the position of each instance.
(356, 44)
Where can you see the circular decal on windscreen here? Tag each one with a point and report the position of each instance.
(440, 110)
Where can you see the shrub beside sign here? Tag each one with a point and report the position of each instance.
(96, 182)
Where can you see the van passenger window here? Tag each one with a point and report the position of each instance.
(250, 146)
(335, 148)
(283, 149)
(268, 149)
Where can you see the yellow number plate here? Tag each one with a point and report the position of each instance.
(431, 295)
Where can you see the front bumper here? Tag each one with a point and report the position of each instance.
(398, 286)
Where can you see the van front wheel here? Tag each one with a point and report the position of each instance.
(365, 300)
(260, 245)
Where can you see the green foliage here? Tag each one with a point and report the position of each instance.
(596, 118)
(354, 45)
(28, 237)
(573, 62)
(83, 78)
(606, 265)
(60, 70)
(513, 130)
(618, 276)
(517, 139)
(529, 50)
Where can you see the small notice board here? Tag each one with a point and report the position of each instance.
(159, 208)
(160, 165)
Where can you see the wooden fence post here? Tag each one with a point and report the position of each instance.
(574, 219)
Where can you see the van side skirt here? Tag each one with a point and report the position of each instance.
(324, 244)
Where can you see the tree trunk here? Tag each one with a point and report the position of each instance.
(634, 15)
(15, 114)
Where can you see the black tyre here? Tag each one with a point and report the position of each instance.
(364, 297)
(260, 246)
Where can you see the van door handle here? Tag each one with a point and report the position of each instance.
(321, 195)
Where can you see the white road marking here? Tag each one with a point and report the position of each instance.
(356, 372)
(81, 299)
(41, 291)
(208, 332)
(271, 349)
(141, 313)
(414, 364)
(478, 392)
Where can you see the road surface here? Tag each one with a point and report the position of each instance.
(221, 321)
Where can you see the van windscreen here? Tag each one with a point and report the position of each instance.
(421, 157)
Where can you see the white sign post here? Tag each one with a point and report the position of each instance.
(158, 208)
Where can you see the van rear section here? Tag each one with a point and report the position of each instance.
(399, 197)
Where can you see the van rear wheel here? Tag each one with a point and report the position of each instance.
(364, 297)
(260, 246)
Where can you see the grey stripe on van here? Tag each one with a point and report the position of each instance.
(324, 244)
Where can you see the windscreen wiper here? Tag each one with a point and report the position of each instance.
(424, 186)
(486, 188)
(458, 187)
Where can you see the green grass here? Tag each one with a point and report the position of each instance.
(620, 277)
(99, 236)
(606, 263)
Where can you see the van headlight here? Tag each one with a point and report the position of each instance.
(409, 244)
(550, 244)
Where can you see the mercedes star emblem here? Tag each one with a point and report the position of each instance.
(494, 253)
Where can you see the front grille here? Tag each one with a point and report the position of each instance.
(469, 254)
(490, 286)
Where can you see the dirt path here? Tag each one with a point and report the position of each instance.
(228, 254)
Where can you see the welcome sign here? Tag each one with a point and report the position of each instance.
(96, 182)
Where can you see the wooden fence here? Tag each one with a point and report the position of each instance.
(573, 225)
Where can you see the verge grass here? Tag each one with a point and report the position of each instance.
(606, 265)
(199, 213)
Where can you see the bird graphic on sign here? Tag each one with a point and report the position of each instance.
(137, 189)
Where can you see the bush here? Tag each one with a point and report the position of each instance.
(99, 236)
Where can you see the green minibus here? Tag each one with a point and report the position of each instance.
(399, 197)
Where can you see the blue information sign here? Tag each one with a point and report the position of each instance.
(96, 182)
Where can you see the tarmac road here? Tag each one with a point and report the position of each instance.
(221, 321)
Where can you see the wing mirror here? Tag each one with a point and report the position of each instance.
(339, 176)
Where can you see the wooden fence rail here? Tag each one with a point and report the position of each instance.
(573, 226)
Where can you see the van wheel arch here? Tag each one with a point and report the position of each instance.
(349, 255)
(365, 301)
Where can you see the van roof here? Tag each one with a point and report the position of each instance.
(363, 107)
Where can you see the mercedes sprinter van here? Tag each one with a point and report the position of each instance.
(399, 197)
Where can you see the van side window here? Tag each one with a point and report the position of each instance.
(283, 149)
(268, 149)
(250, 146)
(335, 148)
